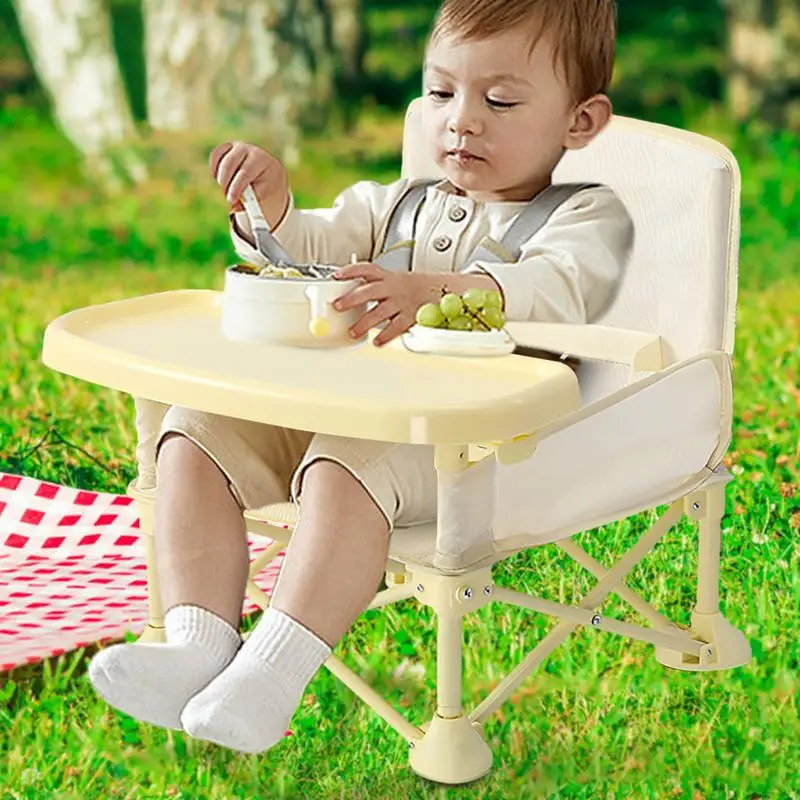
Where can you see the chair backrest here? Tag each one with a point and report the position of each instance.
(682, 191)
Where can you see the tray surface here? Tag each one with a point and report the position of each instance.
(169, 347)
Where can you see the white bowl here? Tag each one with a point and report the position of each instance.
(289, 311)
(443, 342)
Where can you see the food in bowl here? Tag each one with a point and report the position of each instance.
(301, 271)
(288, 305)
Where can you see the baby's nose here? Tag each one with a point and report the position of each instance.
(463, 127)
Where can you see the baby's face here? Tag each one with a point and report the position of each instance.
(496, 117)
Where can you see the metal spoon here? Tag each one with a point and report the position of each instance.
(266, 243)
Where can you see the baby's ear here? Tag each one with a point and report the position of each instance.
(589, 118)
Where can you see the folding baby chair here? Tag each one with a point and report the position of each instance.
(654, 424)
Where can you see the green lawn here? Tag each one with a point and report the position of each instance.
(601, 719)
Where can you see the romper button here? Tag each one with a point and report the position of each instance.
(441, 243)
(457, 213)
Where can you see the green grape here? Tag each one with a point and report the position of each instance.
(474, 299)
(430, 316)
(451, 306)
(462, 323)
(494, 300)
(493, 317)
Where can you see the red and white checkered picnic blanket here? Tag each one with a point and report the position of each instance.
(72, 569)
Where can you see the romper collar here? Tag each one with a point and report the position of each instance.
(446, 187)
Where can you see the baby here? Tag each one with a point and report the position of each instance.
(510, 85)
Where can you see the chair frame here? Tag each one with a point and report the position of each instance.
(451, 748)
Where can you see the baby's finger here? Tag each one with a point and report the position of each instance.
(217, 154)
(399, 325)
(360, 294)
(247, 175)
(230, 164)
(362, 269)
(383, 311)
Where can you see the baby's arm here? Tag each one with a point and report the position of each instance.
(571, 269)
(327, 235)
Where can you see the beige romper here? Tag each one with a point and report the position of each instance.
(567, 272)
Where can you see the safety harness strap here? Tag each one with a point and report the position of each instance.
(530, 221)
(398, 245)
(400, 235)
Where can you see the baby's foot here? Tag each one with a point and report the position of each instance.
(249, 706)
(153, 682)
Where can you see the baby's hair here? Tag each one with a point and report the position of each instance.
(583, 33)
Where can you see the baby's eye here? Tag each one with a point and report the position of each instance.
(500, 103)
(438, 94)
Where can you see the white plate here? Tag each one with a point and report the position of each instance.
(420, 339)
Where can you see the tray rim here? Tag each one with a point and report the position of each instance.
(551, 393)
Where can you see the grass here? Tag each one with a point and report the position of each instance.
(601, 718)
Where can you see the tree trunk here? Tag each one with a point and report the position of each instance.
(764, 76)
(254, 67)
(348, 34)
(70, 46)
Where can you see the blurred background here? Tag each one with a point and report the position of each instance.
(108, 112)
(109, 109)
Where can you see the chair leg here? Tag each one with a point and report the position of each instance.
(453, 750)
(727, 647)
(154, 631)
(252, 590)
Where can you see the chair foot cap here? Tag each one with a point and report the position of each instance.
(727, 647)
(453, 751)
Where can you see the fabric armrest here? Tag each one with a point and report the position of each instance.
(644, 352)
(646, 444)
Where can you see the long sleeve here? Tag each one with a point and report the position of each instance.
(570, 270)
(329, 235)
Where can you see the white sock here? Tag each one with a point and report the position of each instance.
(249, 706)
(153, 681)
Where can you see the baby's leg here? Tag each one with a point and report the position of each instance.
(332, 570)
(337, 556)
(352, 494)
(202, 563)
(200, 538)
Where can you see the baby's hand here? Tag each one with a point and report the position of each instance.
(398, 297)
(235, 165)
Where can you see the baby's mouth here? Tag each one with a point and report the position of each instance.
(462, 156)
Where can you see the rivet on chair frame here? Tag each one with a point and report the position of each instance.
(465, 593)
(695, 506)
(487, 590)
(596, 619)
(420, 587)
